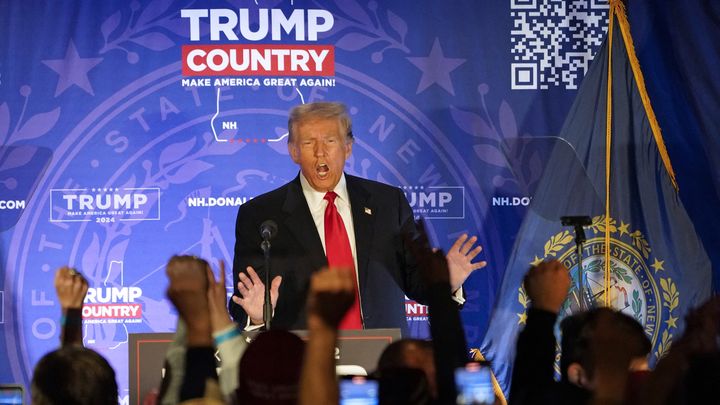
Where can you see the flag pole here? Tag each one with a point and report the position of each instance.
(608, 150)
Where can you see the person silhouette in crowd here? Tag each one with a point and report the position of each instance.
(72, 374)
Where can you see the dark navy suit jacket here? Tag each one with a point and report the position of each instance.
(386, 270)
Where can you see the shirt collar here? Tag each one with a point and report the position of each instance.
(315, 198)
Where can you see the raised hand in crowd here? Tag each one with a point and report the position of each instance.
(252, 291)
(448, 337)
(73, 374)
(229, 342)
(332, 293)
(547, 285)
(71, 288)
(432, 263)
(217, 300)
(188, 291)
(190, 363)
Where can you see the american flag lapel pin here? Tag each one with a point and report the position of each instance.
(368, 211)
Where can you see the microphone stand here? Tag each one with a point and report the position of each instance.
(579, 240)
(267, 307)
(578, 223)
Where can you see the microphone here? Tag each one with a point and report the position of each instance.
(578, 220)
(268, 229)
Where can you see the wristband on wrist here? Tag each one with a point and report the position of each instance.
(71, 317)
(225, 336)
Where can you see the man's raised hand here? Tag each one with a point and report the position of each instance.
(252, 294)
(460, 258)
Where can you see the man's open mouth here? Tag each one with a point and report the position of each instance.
(322, 170)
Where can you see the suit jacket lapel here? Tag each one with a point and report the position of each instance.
(301, 225)
(362, 207)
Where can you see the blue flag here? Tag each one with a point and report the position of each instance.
(642, 255)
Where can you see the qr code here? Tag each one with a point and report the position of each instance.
(553, 41)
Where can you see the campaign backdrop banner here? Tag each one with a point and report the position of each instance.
(131, 131)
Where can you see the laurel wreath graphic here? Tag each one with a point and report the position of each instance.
(664, 346)
(598, 225)
(557, 243)
(671, 300)
(641, 244)
(636, 304)
(524, 301)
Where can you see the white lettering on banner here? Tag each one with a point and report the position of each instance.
(12, 204)
(440, 202)
(226, 24)
(44, 328)
(197, 82)
(429, 199)
(216, 202)
(261, 59)
(113, 294)
(104, 201)
(413, 308)
(113, 311)
(105, 205)
(218, 60)
(511, 201)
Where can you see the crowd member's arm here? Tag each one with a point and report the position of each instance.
(71, 288)
(332, 292)
(174, 367)
(449, 346)
(226, 333)
(188, 289)
(547, 285)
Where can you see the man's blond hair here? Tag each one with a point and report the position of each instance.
(320, 110)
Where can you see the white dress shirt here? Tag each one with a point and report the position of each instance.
(317, 204)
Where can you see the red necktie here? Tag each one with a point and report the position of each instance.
(339, 254)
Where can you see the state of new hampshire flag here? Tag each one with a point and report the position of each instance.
(622, 178)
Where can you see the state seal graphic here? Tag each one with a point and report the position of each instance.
(638, 284)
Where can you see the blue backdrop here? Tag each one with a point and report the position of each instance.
(115, 154)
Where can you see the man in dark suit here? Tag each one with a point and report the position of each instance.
(372, 219)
